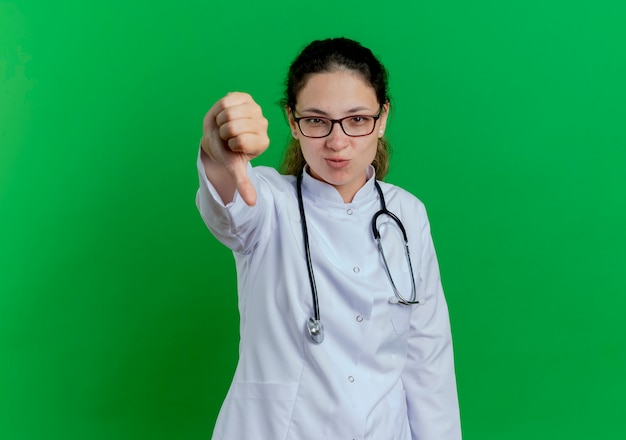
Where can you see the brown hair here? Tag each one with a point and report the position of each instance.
(327, 56)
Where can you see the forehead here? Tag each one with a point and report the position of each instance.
(337, 90)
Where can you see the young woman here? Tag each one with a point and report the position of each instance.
(344, 333)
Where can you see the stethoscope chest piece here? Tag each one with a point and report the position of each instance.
(316, 330)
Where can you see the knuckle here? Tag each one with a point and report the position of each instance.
(225, 115)
(265, 142)
(235, 143)
(226, 131)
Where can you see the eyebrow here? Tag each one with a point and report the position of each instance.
(323, 113)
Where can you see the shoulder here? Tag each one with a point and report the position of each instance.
(398, 196)
(411, 211)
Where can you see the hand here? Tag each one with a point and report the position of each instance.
(234, 132)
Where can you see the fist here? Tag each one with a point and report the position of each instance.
(235, 132)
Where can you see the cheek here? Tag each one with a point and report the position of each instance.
(370, 150)
(308, 149)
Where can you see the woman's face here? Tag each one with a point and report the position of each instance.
(339, 159)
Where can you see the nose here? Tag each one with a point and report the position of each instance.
(337, 139)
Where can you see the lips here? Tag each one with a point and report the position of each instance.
(337, 163)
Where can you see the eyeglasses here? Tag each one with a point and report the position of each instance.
(354, 126)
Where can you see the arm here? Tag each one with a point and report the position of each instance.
(429, 377)
(234, 132)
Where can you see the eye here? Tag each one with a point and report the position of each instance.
(359, 120)
(315, 121)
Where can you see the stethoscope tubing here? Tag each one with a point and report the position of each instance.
(307, 251)
(314, 323)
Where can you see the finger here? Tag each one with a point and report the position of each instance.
(235, 98)
(239, 127)
(232, 99)
(239, 172)
(209, 121)
(247, 192)
(250, 144)
(242, 110)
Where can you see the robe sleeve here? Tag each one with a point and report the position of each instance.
(236, 225)
(429, 377)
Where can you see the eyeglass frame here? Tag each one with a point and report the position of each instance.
(336, 121)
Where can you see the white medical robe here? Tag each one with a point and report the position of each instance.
(384, 371)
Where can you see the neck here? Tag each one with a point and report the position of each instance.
(346, 191)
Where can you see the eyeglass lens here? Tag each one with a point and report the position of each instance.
(352, 126)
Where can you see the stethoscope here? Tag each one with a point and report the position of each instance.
(314, 324)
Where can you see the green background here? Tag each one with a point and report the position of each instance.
(118, 311)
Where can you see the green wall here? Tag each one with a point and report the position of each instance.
(118, 315)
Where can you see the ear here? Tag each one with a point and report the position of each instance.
(292, 124)
(383, 120)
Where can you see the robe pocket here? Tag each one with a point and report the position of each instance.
(258, 410)
(397, 399)
(401, 318)
(398, 414)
